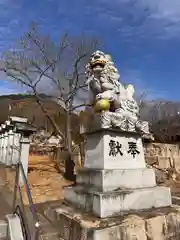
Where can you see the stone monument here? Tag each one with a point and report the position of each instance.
(115, 193)
(115, 179)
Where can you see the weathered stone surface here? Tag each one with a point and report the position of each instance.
(164, 155)
(132, 229)
(164, 227)
(108, 180)
(49, 236)
(118, 202)
(156, 228)
(70, 229)
(115, 180)
(162, 149)
(161, 224)
(173, 225)
(161, 176)
(98, 155)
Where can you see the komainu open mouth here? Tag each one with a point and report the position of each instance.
(97, 63)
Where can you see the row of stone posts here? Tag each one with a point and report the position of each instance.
(15, 143)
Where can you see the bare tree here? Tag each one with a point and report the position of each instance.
(53, 68)
(163, 117)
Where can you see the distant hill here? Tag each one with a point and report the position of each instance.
(163, 116)
(24, 105)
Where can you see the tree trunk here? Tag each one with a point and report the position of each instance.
(69, 167)
(38, 100)
(68, 132)
(69, 163)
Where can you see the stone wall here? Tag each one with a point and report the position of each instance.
(163, 155)
(162, 224)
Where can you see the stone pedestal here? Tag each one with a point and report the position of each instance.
(115, 179)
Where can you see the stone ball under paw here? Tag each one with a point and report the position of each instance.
(102, 105)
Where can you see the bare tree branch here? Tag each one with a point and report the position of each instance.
(53, 69)
(79, 106)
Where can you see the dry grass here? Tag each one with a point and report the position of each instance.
(45, 181)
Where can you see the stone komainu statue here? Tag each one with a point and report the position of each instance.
(103, 81)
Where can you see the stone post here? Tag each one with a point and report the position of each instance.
(5, 146)
(16, 148)
(5, 142)
(2, 172)
(24, 156)
(9, 148)
(24, 130)
(2, 143)
(16, 138)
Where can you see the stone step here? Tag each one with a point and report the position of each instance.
(114, 203)
(109, 180)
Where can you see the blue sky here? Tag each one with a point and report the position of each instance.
(143, 36)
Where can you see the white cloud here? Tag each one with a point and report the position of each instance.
(162, 9)
(157, 18)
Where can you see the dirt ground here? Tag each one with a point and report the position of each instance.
(46, 183)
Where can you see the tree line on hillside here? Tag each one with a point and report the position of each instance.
(164, 119)
(163, 116)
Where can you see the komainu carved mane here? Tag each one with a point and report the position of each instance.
(103, 81)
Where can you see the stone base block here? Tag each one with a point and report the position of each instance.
(119, 202)
(162, 223)
(109, 180)
(114, 149)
